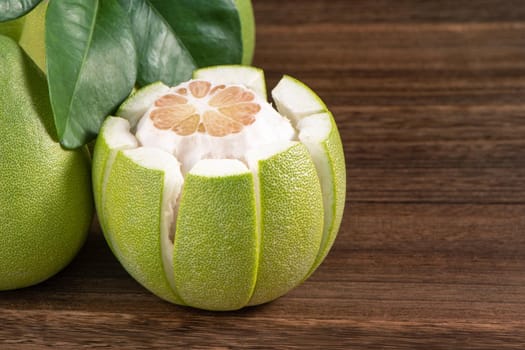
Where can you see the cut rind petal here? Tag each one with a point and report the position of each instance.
(250, 77)
(141, 190)
(318, 131)
(291, 217)
(319, 134)
(216, 242)
(134, 107)
(114, 136)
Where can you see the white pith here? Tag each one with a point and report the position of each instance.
(219, 168)
(298, 118)
(313, 131)
(295, 100)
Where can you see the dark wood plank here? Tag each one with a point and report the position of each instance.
(430, 100)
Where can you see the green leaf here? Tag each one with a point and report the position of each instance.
(174, 37)
(11, 9)
(91, 65)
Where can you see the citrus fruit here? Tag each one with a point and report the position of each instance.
(46, 203)
(210, 197)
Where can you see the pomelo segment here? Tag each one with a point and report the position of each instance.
(216, 246)
(140, 195)
(318, 132)
(251, 77)
(290, 217)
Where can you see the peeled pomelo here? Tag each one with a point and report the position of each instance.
(210, 197)
(46, 203)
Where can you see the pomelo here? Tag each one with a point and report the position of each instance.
(46, 203)
(210, 197)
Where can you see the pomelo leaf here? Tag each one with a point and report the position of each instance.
(91, 65)
(175, 37)
(11, 9)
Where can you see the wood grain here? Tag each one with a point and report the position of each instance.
(430, 100)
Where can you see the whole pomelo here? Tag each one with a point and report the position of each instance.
(46, 203)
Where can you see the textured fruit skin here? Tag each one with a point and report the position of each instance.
(216, 249)
(46, 203)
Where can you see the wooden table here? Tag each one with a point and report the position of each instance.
(430, 100)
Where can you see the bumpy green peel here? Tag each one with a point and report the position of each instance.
(45, 194)
(133, 214)
(291, 220)
(299, 103)
(215, 254)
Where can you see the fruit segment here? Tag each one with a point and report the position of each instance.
(318, 132)
(114, 136)
(216, 243)
(291, 217)
(140, 196)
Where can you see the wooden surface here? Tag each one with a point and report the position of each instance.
(430, 100)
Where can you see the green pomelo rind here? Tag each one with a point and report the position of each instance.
(132, 211)
(250, 77)
(291, 221)
(297, 101)
(333, 186)
(104, 155)
(247, 19)
(136, 105)
(46, 202)
(216, 242)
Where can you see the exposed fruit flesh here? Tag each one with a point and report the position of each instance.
(244, 222)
